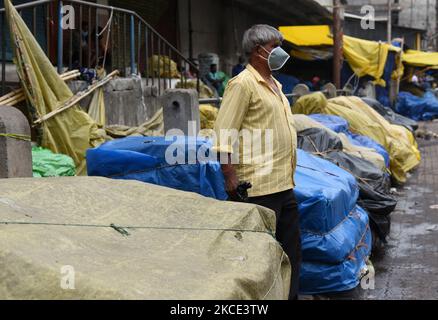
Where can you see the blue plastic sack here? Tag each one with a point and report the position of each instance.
(325, 193)
(417, 108)
(340, 125)
(336, 245)
(144, 159)
(318, 278)
(335, 123)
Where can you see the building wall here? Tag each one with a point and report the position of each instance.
(218, 27)
(414, 14)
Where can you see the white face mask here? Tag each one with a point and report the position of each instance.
(277, 58)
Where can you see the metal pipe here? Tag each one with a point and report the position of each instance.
(146, 45)
(139, 47)
(60, 38)
(80, 36)
(96, 37)
(3, 44)
(89, 37)
(124, 45)
(132, 46)
(159, 66)
(70, 56)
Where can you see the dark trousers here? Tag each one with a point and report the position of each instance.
(288, 230)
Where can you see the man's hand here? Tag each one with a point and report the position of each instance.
(231, 180)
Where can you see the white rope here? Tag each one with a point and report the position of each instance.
(107, 26)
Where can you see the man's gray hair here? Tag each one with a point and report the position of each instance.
(260, 34)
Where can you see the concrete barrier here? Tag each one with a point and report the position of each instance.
(180, 106)
(15, 152)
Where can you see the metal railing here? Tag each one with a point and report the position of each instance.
(106, 36)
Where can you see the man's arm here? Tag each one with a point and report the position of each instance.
(231, 180)
(233, 109)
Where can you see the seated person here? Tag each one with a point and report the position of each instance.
(216, 79)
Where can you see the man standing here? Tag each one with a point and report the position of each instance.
(254, 102)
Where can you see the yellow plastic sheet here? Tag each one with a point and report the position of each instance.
(420, 59)
(307, 36)
(366, 57)
(71, 132)
(97, 108)
(363, 120)
(163, 66)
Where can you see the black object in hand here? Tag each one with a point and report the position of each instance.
(241, 194)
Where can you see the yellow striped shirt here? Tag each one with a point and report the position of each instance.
(267, 141)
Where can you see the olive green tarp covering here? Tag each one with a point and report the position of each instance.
(71, 132)
(363, 120)
(45, 163)
(178, 245)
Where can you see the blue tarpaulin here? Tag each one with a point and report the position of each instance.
(336, 277)
(144, 159)
(333, 228)
(417, 108)
(340, 125)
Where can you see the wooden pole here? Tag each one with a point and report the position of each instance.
(338, 34)
(77, 98)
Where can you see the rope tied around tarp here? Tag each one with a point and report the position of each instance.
(123, 229)
(16, 136)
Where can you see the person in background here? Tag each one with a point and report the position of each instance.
(238, 68)
(316, 83)
(215, 79)
(253, 101)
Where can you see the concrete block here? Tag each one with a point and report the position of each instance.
(179, 107)
(15, 154)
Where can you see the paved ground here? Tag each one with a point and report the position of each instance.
(408, 267)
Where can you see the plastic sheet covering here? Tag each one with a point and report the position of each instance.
(131, 240)
(204, 90)
(363, 120)
(71, 132)
(208, 115)
(399, 137)
(96, 109)
(153, 127)
(307, 35)
(144, 159)
(374, 184)
(366, 58)
(303, 122)
(418, 108)
(420, 58)
(332, 226)
(159, 67)
(323, 202)
(391, 116)
(336, 277)
(340, 125)
(45, 163)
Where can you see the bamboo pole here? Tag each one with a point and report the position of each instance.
(17, 96)
(77, 98)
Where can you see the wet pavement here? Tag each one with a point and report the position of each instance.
(407, 268)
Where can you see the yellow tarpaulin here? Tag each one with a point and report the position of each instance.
(71, 132)
(363, 120)
(307, 36)
(365, 57)
(421, 59)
